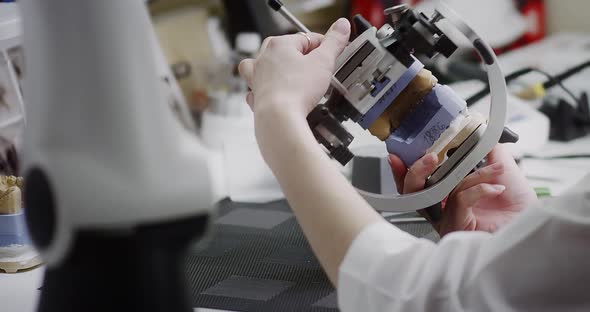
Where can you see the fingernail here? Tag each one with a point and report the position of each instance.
(342, 26)
(499, 188)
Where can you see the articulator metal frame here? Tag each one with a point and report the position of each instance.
(373, 70)
(473, 150)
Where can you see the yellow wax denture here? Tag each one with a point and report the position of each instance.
(404, 104)
(381, 128)
(10, 194)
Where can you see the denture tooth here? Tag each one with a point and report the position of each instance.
(411, 97)
(10, 195)
(403, 105)
(381, 128)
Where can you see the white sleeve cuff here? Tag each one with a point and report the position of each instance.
(368, 249)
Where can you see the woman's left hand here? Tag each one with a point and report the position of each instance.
(485, 200)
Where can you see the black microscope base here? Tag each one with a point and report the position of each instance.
(139, 270)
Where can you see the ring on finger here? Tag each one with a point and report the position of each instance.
(308, 41)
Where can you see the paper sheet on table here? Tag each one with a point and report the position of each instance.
(576, 148)
(559, 175)
(249, 179)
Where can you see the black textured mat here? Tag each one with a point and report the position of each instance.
(258, 260)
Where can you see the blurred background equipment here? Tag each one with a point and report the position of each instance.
(499, 21)
(184, 39)
(252, 16)
(570, 16)
(16, 251)
(12, 111)
(568, 122)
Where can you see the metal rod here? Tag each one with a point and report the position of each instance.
(407, 220)
(279, 7)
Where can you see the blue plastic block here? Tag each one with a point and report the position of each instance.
(13, 230)
(393, 92)
(422, 127)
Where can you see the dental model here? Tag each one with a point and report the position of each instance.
(10, 194)
(16, 252)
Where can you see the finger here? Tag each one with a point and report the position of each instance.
(304, 45)
(299, 42)
(469, 197)
(458, 212)
(316, 40)
(501, 154)
(264, 44)
(399, 170)
(484, 175)
(246, 69)
(419, 172)
(334, 41)
(250, 100)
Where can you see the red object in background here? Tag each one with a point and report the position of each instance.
(371, 10)
(532, 10)
(534, 13)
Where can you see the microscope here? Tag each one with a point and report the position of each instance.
(115, 188)
(381, 84)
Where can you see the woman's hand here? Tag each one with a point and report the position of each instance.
(287, 79)
(292, 72)
(485, 200)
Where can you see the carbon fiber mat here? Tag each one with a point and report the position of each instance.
(258, 260)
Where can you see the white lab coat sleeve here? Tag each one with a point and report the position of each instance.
(386, 269)
(539, 262)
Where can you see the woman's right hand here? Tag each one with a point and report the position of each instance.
(294, 69)
(288, 78)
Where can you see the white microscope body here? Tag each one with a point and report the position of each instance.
(115, 187)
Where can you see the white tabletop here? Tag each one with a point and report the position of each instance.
(19, 292)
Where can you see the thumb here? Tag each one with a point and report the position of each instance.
(334, 41)
(399, 170)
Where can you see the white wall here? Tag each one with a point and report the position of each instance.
(568, 15)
